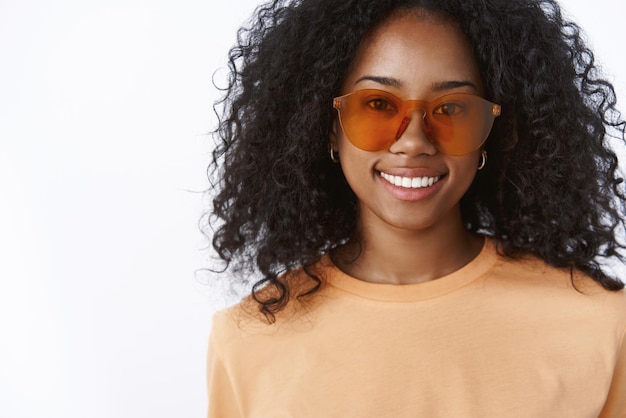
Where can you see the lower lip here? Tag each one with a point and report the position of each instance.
(403, 193)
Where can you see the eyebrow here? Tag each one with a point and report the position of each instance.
(449, 85)
(439, 86)
(385, 81)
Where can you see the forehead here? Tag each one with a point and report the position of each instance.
(416, 50)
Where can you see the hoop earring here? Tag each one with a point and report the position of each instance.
(483, 160)
(334, 156)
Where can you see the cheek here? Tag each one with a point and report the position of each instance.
(338, 137)
(357, 165)
(464, 169)
(354, 162)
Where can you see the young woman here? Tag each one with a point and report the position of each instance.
(424, 194)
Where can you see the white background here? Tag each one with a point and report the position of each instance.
(104, 110)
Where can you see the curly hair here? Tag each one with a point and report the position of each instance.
(551, 188)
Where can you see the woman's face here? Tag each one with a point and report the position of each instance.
(412, 57)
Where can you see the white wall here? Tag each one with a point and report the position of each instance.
(104, 108)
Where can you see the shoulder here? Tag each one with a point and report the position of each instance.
(232, 327)
(556, 288)
(535, 271)
(245, 319)
(236, 322)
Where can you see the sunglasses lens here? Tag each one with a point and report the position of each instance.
(460, 123)
(457, 124)
(370, 118)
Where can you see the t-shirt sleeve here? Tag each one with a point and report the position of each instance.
(222, 397)
(615, 406)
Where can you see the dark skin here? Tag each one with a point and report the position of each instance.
(407, 235)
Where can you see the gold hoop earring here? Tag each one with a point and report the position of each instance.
(483, 160)
(334, 156)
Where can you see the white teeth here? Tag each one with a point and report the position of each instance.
(410, 182)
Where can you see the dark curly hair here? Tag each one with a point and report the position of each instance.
(551, 188)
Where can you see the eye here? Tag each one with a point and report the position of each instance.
(450, 109)
(381, 104)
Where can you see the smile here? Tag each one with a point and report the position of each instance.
(410, 182)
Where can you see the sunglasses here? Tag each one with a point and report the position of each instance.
(456, 124)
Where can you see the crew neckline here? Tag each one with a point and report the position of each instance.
(473, 270)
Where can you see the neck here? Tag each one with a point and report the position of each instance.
(385, 254)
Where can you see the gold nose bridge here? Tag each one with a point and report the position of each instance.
(410, 106)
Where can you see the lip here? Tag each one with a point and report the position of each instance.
(406, 194)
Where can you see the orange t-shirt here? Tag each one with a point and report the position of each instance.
(497, 338)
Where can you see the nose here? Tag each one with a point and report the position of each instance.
(412, 136)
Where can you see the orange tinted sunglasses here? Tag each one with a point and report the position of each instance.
(456, 124)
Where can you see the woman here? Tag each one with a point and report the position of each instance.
(424, 193)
